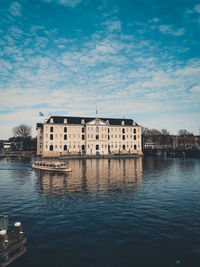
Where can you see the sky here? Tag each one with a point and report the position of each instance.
(136, 59)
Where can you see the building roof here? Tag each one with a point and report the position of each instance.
(78, 120)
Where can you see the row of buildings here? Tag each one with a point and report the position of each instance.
(64, 135)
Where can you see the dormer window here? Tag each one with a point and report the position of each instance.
(51, 120)
(82, 121)
(122, 123)
(65, 120)
(107, 121)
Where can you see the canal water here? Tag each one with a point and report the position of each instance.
(119, 212)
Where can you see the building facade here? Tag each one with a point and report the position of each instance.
(61, 135)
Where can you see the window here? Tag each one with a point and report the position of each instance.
(83, 129)
(51, 136)
(83, 137)
(51, 148)
(60, 146)
(88, 146)
(97, 129)
(127, 136)
(65, 137)
(123, 137)
(123, 130)
(134, 137)
(135, 147)
(108, 130)
(47, 146)
(108, 137)
(123, 147)
(46, 135)
(134, 130)
(97, 137)
(65, 147)
(51, 129)
(55, 146)
(97, 147)
(65, 129)
(83, 148)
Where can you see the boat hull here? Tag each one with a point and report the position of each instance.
(52, 169)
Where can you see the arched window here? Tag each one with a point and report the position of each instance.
(65, 147)
(83, 137)
(135, 147)
(65, 137)
(51, 129)
(97, 147)
(123, 147)
(51, 147)
(83, 148)
(108, 130)
(123, 130)
(134, 137)
(134, 130)
(108, 137)
(83, 129)
(51, 136)
(97, 137)
(65, 129)
(123, 137)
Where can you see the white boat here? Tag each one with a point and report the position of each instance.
(51, 166)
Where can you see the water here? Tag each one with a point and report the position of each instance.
(128, 212)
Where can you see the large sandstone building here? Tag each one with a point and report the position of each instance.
(60, 135)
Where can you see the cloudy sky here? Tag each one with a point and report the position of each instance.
(136, 59)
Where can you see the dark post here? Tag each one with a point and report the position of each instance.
(3, 239)
(17, 231)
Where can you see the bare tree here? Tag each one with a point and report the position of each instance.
(165, 132)
(23, 131)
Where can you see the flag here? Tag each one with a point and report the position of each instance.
(41, 114)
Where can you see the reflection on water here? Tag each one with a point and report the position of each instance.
(119, 212)
(92, 176)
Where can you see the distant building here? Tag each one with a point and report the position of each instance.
(60, 135)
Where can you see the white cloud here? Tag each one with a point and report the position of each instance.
(113, 25)
(195, 89)
(15, 9)
(169, 29)
(197, 8)
(69, 3)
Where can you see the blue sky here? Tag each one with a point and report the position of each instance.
(134, 59)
